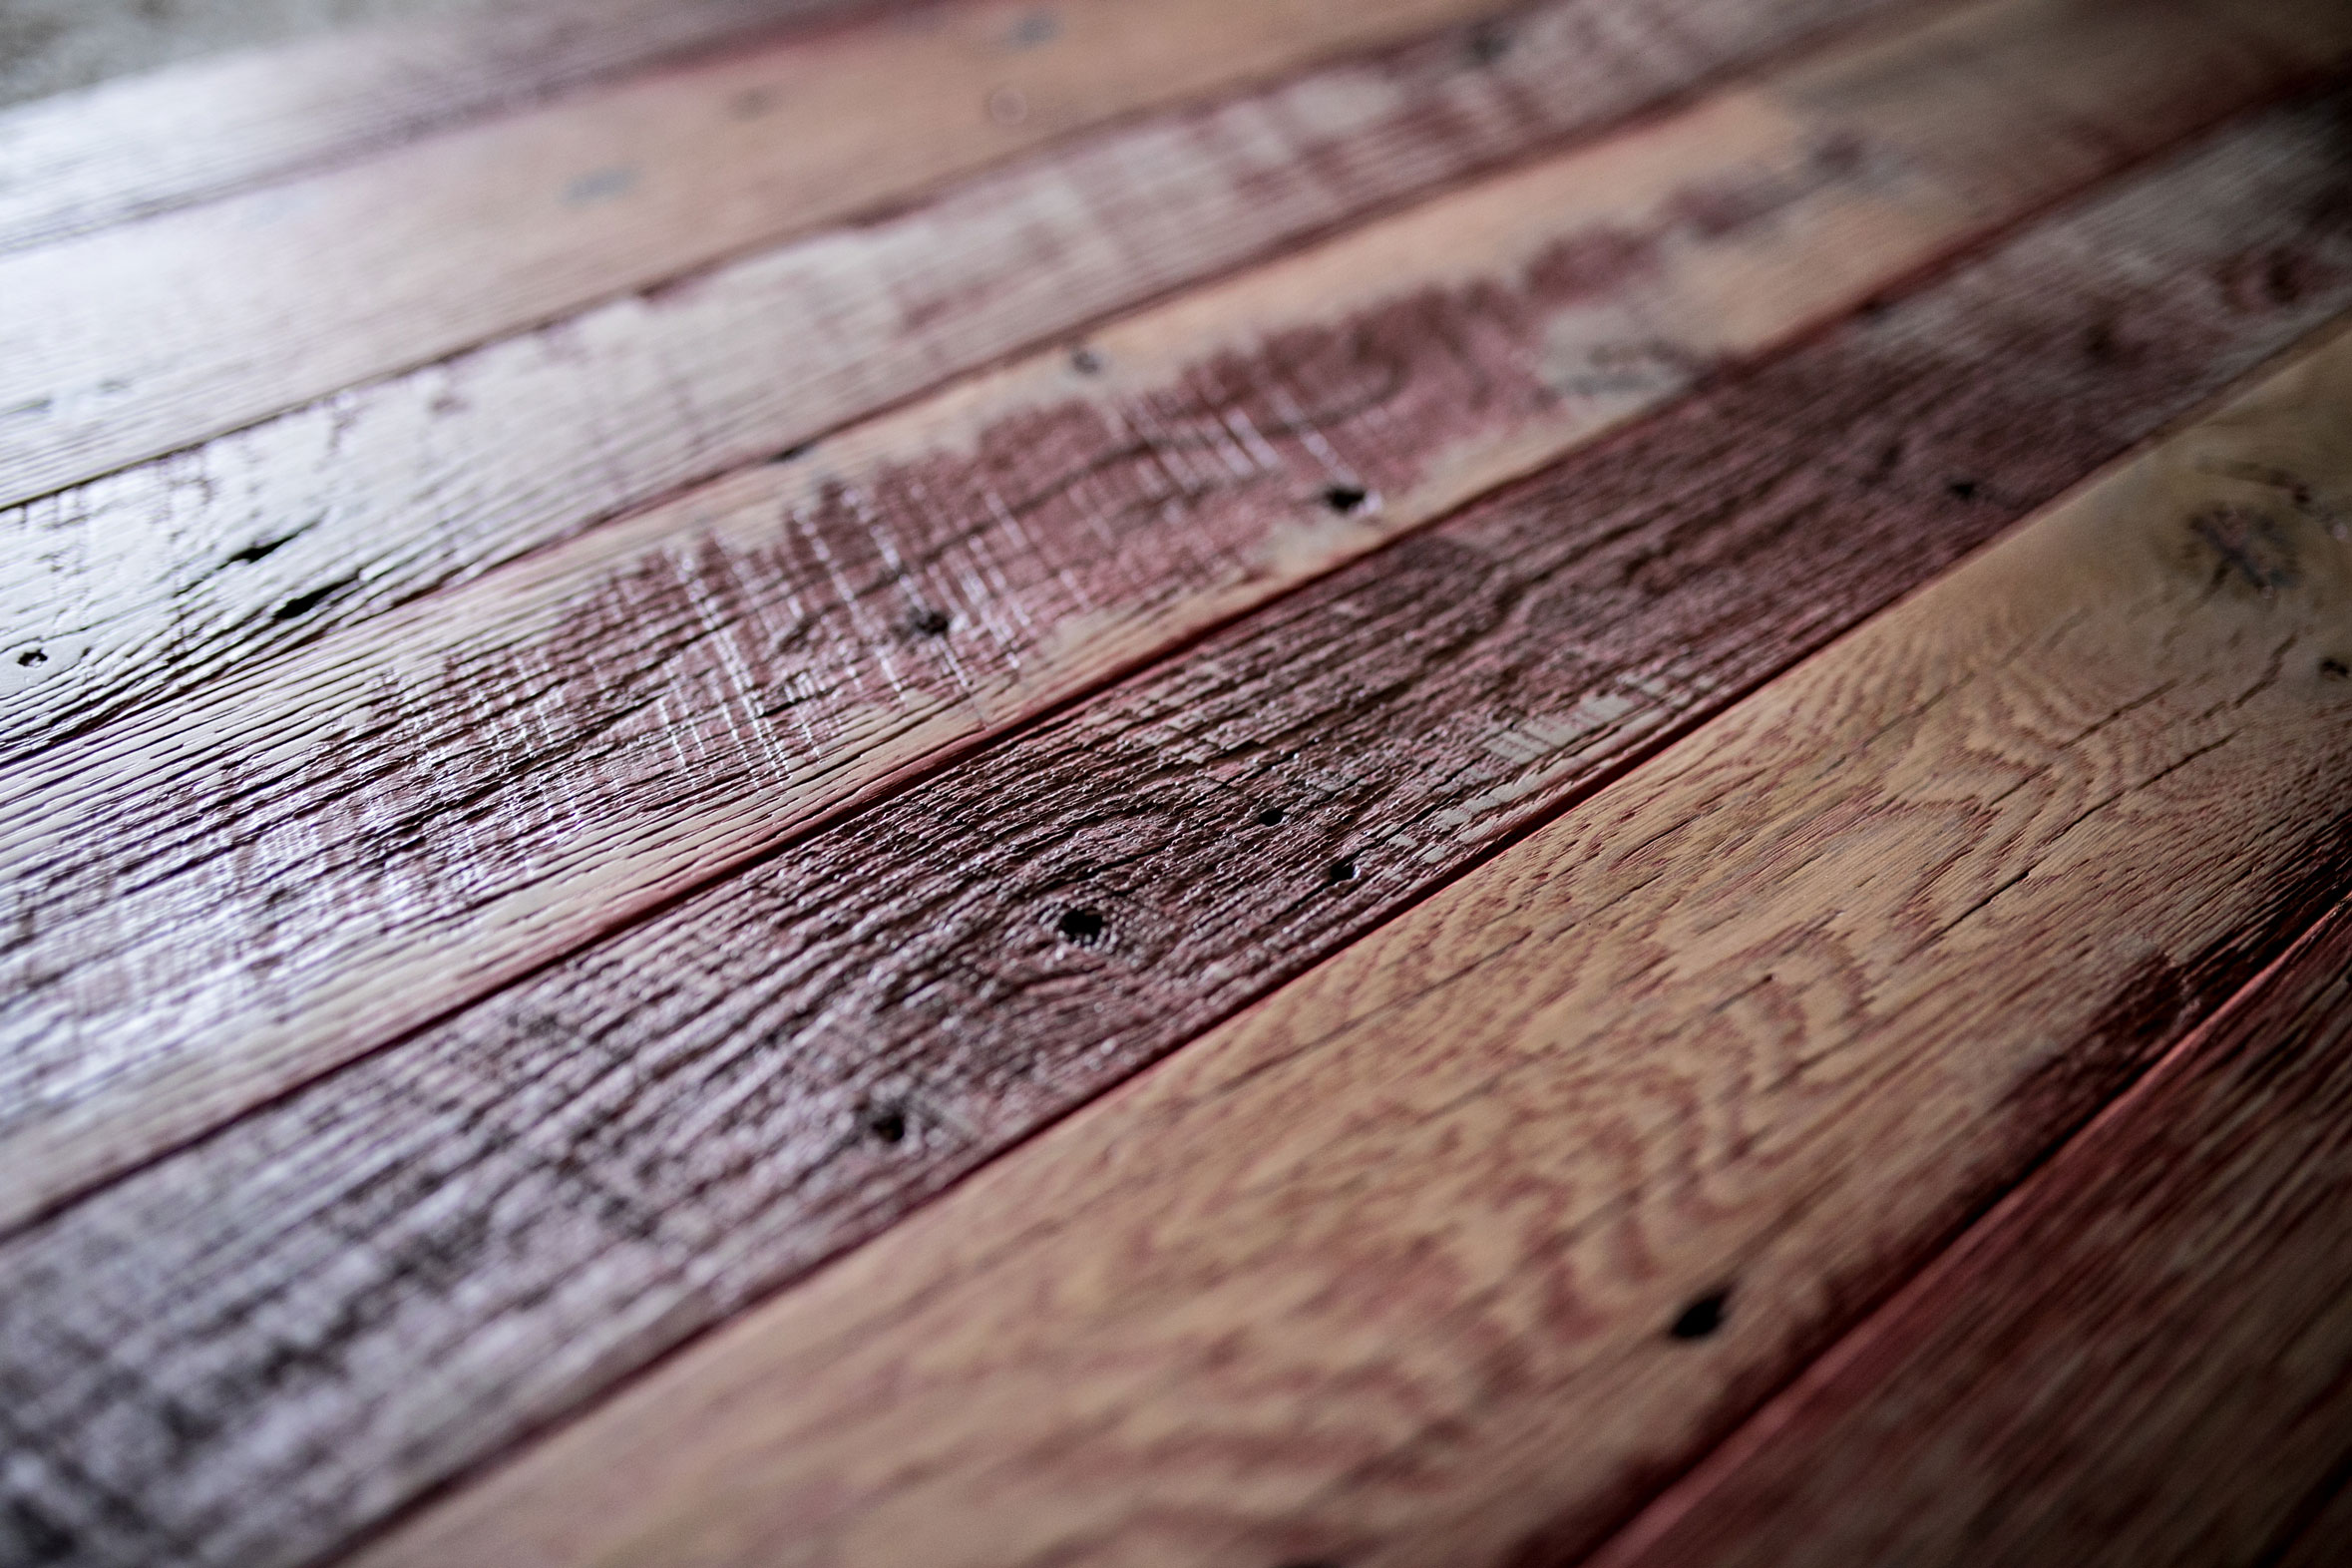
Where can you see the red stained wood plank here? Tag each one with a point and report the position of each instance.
(261, 111)
(2142, 1356)
(145, 338)
(1442, 1251)
(311, 859)
(118, 594)
(344, 1299)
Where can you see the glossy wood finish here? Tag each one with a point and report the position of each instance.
(2137, 1358)
(345, 1297)
(264, 107)
(147, 338)
(156, 580)
(1444, 1249)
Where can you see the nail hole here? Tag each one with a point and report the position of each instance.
(930, 622)
(1702, 1318)
(1342, 871)
(31, 656)
(2332, 668)
(887, 1123)
(1084, 926)
(1345, 500)
(1085, 362)
(1271, 817)
(1962, 489)
(305, 604)
(793, 454)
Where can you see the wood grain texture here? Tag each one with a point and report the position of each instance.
(310, 859)
(2142, 1357)
(151, 581)
(342, 1300)
(147, 337)
(277, 105)
(1437, 1253)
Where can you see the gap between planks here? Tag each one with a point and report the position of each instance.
(1388, 1268)
(343, 1300)
(145, 338)
(308, 861)
(2139, 1358)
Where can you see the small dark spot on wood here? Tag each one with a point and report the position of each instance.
(2250, 545)
(1488, 44)
(32, 656)
(1341, 870)
(261, 550)
(1962, 489)
(2101, 345)
(1345, 500)
(2335, 670)
(1085, 362)
(794, 454)
(598, 184)
(1082, 926)
(1874, 308)
(1701, 1318)
(1271, 817)
(887, 1123)
(1038, 26)
(305, 604)
(930, 622)
(751, 103)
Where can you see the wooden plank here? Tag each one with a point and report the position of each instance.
(145, 338)
(283, 96)
(2142, 1356)
(308, 860)
(342, 1300)
(1438, 1252)
(126, 591)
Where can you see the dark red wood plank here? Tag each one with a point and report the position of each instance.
(2142, 1358)
(279, 1336)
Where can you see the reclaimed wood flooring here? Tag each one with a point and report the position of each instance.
(1307, 784)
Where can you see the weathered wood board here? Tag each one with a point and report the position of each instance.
(279, 96)
(217, 900)
(1442, 1250)
(126, 591)
(348, 1297)
(2137, 1358)
(145, 338)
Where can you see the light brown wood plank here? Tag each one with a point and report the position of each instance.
(306, 860)
(1441, 1252)
(2142, 1356)
(120, 593)
(269, 104)
(345, 1297)
(149, 337)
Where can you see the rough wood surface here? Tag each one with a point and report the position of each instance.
(1437, 1252)
(2143, 1358)
(309, 860)
(348, 1297)
(151, 581)
(147, 337)
(280, 103)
